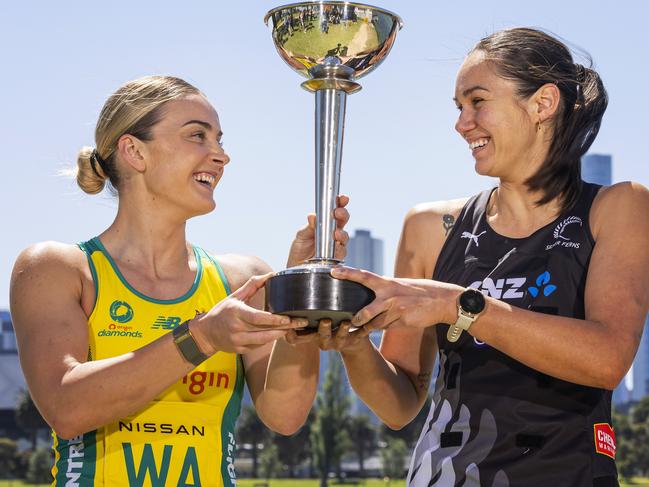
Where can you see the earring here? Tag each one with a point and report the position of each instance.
(538, 126)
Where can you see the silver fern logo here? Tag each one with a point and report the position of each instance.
(560, 236)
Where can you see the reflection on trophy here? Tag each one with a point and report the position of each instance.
(332, 43)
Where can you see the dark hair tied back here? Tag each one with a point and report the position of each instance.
(532, 58)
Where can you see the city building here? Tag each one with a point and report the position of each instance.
(598, 168)
(12, 382)
(363, 252)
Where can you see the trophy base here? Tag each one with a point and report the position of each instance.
(309, 291)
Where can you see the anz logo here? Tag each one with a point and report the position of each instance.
(514, 287)
(506, 288)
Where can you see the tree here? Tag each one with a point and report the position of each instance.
(28, 417)
(410, 432)
(328, 432)
(250, 430)
(393, 457)
(363, 437)
(270, 464)
(639, 419)
(7, 457)
(625, 458)
(40, 464)
(295, 449)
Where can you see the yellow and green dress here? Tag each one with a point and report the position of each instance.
(184, 437)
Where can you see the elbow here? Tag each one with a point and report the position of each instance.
(394, 426)
(64, 429)
(67, 425)
(286, 425)
(612, 377)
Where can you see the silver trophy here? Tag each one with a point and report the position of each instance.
(332, 43)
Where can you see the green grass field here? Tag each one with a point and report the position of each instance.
(639, 482)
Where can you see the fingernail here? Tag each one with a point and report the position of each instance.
(286, 320)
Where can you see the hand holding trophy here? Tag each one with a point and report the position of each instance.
(332, 43)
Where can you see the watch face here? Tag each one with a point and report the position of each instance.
(472, 301)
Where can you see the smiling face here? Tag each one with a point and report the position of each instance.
(497, 124)
(185, 158)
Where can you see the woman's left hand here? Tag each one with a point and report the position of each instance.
(303, 246)
(415, 303)
(345, 338)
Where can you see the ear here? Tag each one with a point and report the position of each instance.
(132, 151)
(546, 102)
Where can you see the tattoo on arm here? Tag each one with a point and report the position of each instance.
(423, 379)
(449, 221)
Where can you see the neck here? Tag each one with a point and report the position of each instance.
(148, 237)
(512, 210)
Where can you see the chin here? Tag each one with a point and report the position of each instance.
(483, 168)
(202, 209)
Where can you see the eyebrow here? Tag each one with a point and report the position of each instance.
(202, 123)
(468, 91)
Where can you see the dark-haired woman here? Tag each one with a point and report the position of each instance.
(136, 344)
(538, 292)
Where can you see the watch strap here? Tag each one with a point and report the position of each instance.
(187, 345)
(463, 323)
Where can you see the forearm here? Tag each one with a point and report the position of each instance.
(92, 394)
(290, 386)
(579, 351)
(385, 388)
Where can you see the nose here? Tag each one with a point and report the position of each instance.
(219, 156)
(465, 121)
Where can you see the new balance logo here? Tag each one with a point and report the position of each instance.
(473, 237)
(166, 323)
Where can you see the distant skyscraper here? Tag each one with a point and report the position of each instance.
(363, 252)
(12, 381)
(597, 168)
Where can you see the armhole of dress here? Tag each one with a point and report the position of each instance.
(456, 228)
(595, 188)
(219, 269)
(88, 248)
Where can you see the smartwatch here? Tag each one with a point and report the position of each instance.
(187, 345)
(469, 306)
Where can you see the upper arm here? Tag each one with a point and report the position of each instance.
(49, 321)
(238, 269)
(618, 273)
(424, 232)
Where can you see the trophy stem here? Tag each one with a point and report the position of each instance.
(330, 107)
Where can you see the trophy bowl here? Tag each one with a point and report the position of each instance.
(332, 44)
(355, 36)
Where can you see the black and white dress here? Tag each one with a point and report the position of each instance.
(494, 421)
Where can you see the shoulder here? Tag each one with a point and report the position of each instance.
(619, 205)
(50, 257)
(434, 213)
(239, 268)
(425, 229)
(42, 264)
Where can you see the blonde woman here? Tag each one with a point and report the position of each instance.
(136, 344)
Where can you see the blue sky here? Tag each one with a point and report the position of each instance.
(62, 59)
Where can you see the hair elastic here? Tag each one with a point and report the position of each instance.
(96, 159)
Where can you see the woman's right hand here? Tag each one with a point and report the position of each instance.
(236, 327)
(346, 338)
(414, 303)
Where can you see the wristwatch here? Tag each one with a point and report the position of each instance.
(469, 306)
(187, 345)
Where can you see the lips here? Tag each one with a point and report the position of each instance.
(478, 143)
(205, 178)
